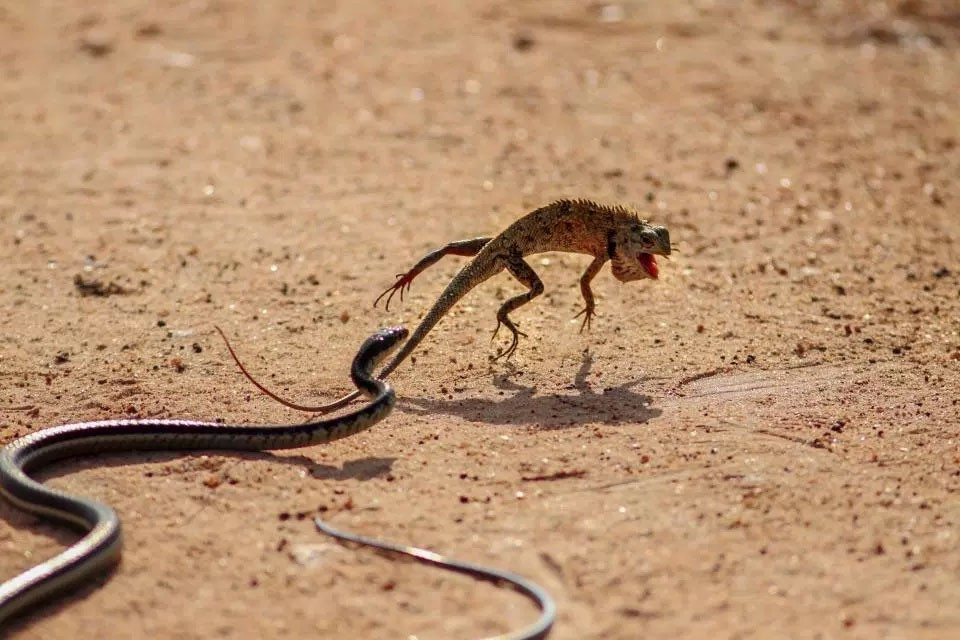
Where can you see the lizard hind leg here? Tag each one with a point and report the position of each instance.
(522, 271)
(466, 248)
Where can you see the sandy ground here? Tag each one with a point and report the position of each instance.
(762, 444)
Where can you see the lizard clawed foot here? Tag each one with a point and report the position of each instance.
(589, 315)
(404, 280)
(506, 353)
(514, 339)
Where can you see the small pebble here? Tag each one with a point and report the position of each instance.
(97, 42)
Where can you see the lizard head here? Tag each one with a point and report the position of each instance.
(633, 247)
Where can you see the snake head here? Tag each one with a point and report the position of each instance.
(376, 348)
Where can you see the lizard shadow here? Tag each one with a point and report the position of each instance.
(612, 406)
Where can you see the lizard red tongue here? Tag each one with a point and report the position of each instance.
(650, 264)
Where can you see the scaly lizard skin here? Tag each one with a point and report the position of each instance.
(606, 232)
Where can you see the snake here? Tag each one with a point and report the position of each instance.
(98, 550)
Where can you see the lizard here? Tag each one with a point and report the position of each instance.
(614, 233)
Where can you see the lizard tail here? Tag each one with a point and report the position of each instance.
(333, 406)
(468, 277)
(325, 408)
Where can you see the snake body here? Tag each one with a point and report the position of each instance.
(99, 549)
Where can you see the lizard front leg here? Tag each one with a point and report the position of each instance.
(585, 279)
(522, 271)
(469, 247)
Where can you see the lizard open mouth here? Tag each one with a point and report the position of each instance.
(649, 264)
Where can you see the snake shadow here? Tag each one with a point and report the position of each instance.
(522, 404)
(360, 469)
